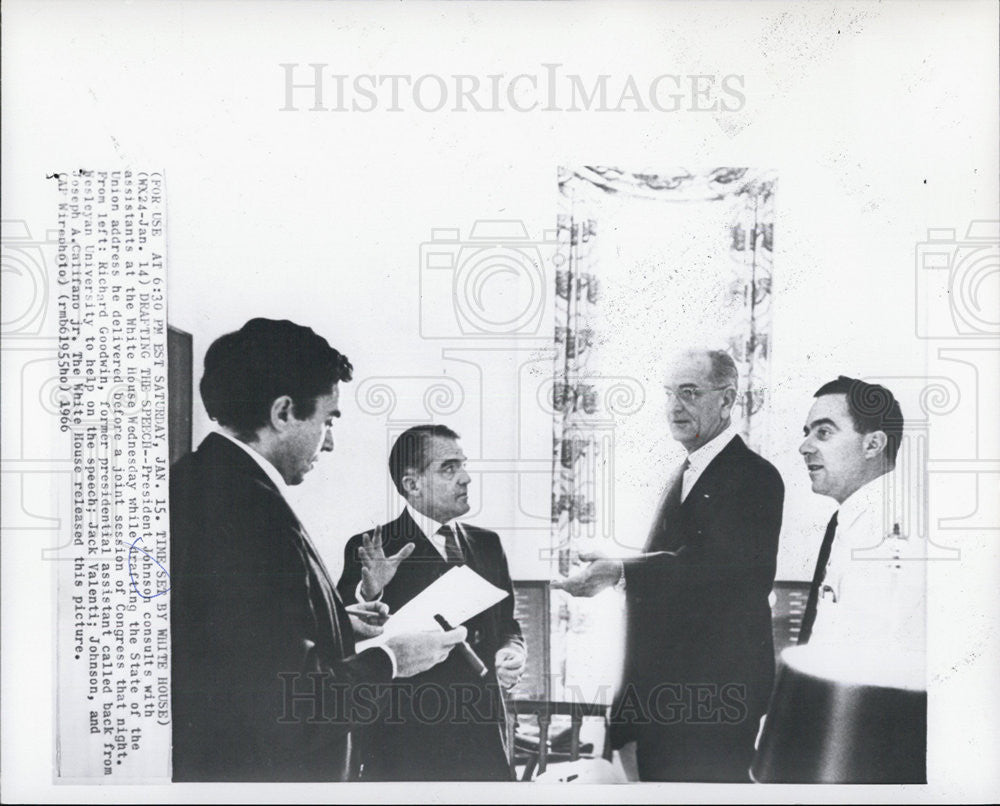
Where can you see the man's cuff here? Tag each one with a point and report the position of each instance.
(620, 584)
(392, 657)
(516, 646)
(359, 598)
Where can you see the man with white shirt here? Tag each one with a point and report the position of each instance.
(266, 685)
(699, 661)
(448, 723)
(868, 590)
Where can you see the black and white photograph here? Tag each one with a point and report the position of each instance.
(520, 401)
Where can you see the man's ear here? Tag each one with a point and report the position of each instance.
(729, 398)
(874, 444)
(281, 412)
(411, 484)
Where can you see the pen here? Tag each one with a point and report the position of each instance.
(471, 657)
(367, 616)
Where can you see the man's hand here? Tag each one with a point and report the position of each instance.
(600, 574)
(365, 625)
(377, 570)
(510, 664)
(418, 651)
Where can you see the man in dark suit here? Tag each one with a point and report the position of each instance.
(447, 723)
(699, 662)
(266, 683)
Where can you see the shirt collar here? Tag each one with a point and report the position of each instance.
(428, 526)
(870, 497)
(700, 459)
(265, 465)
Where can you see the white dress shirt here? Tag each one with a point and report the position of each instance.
(701, 458)
(874, 593)
(265, 465)
(430, 527)
(279, 482)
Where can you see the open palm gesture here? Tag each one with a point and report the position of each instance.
(377, 570)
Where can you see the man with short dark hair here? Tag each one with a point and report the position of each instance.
(265, 680)
(394, 564)
(699, 661)
(867, 590)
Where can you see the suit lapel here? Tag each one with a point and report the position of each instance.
(424, 549)
(709, 481)
(466, 543)
(329, 608)
(663, 533)
(669, 531)
(709, 489)
(406, 531)
(323, 596)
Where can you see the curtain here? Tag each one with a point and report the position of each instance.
(581, 395)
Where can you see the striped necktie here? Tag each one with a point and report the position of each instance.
(452, 551)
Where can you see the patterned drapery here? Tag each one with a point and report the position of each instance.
(579, 399)
(574, 398)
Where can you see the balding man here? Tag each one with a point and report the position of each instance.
(699, 662)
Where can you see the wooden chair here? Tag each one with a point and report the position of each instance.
(531, 696)
(544, 710)
(786, 615)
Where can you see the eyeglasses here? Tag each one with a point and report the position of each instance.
(689, 394)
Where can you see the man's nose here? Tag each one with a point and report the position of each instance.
(328, 440)
(806, 447)
(464, 478)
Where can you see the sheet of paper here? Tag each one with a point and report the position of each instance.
(458, 595)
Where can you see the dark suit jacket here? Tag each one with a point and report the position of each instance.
(699, 623)
(251, 600)
(443, 724)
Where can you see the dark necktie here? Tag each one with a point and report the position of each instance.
(684, 469)
(809, 617)
(452, 551)
(665, 525)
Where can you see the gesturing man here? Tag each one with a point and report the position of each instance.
(699, 661)
(448, 723)
(254, 616)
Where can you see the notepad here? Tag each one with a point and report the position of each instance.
(458, 595)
